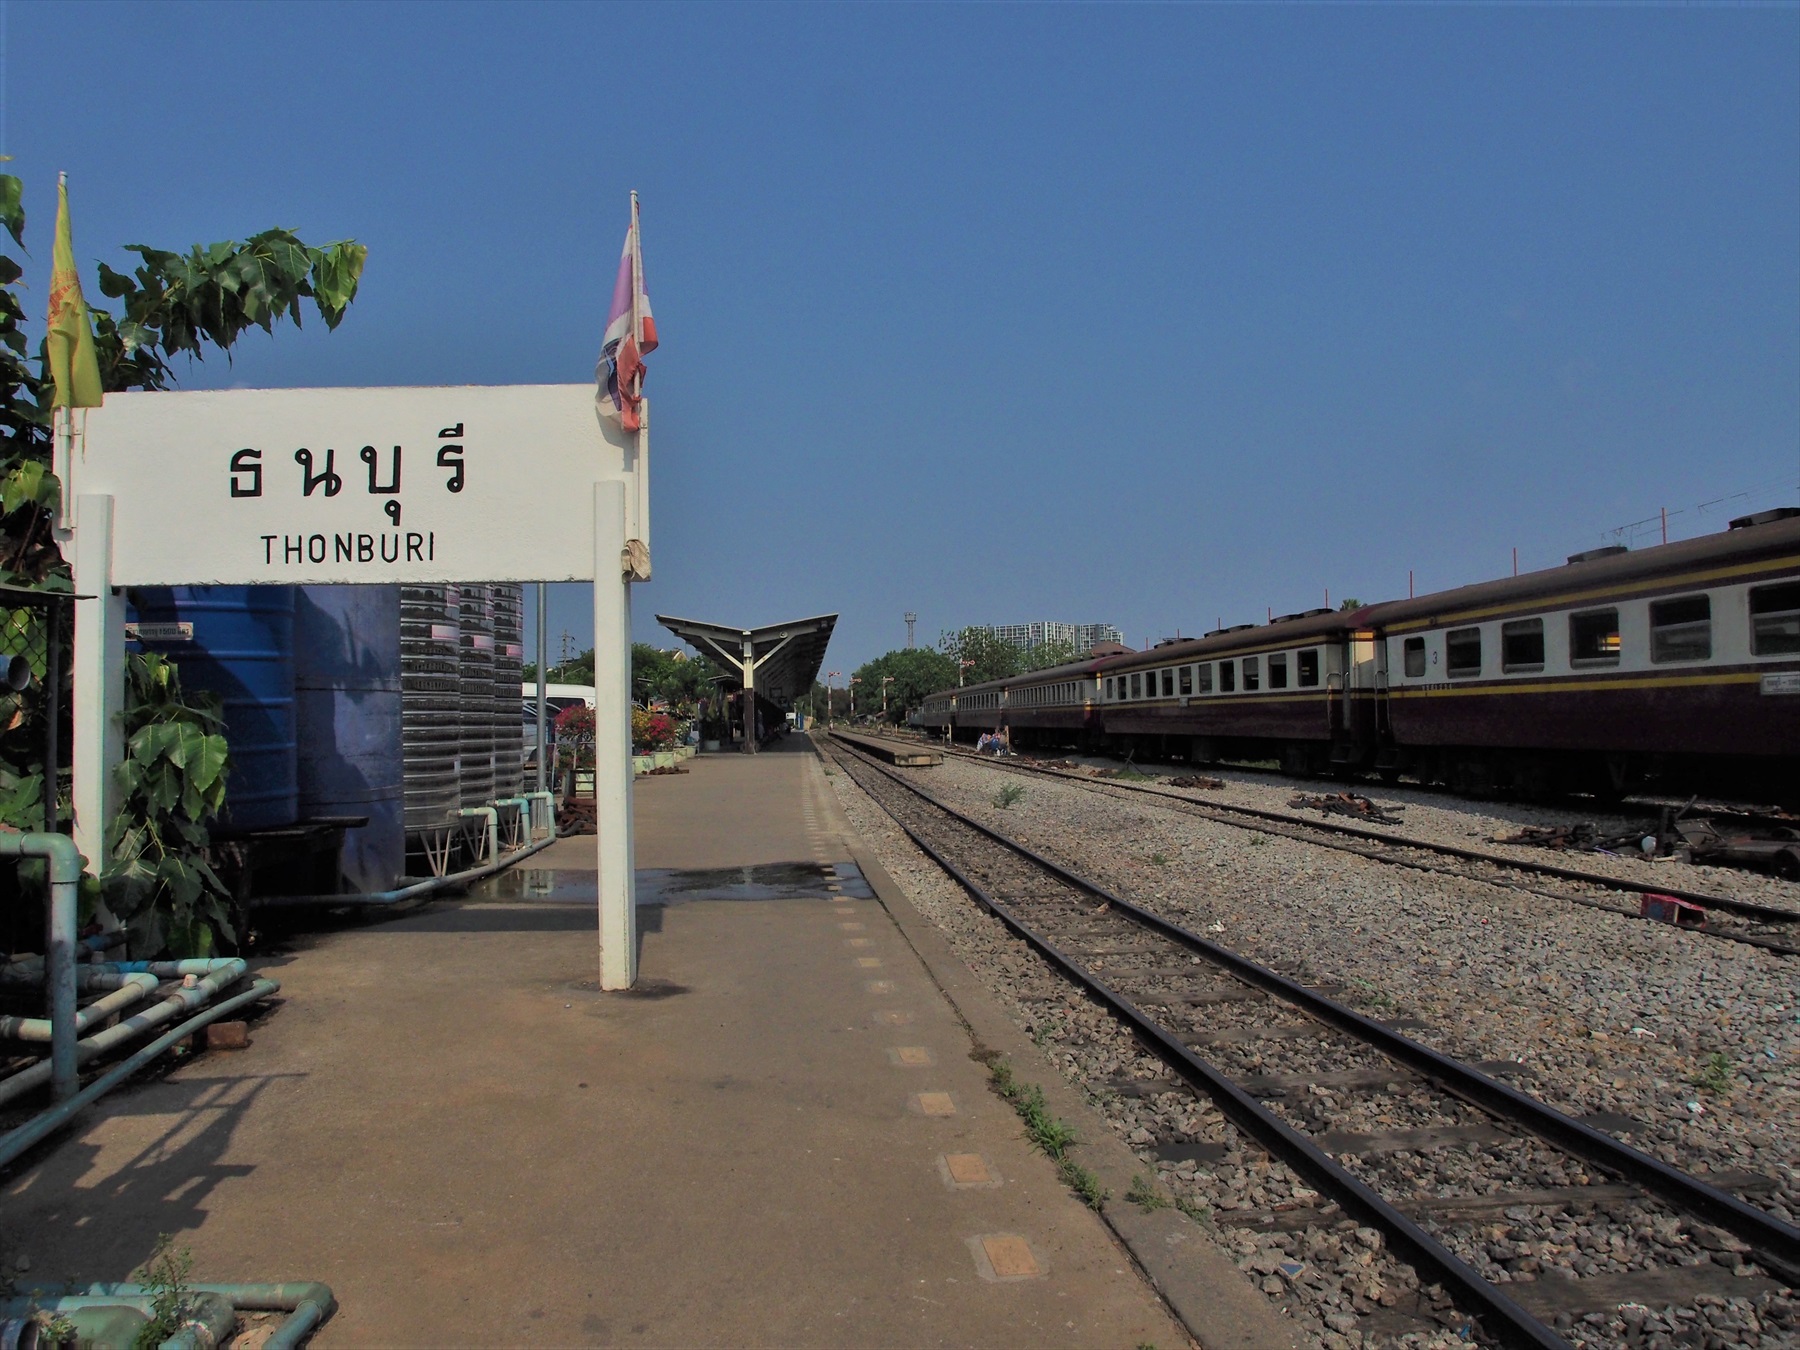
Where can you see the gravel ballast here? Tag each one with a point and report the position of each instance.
(1608, 1014)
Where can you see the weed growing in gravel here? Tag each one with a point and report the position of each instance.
(1257, 841)
(1158, 860)
(1715, 1075)
(1371, 994)
(1144, 1195)
(1051, 1135)
(1199, 1213)
(1006, 796)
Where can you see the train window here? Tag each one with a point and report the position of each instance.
(1413, 653)
(1252, 672)
(1278, 671)
(1462, 652)
(1187, 681)
(1203, 677)
(1137, 684)
(1227, 676)
(1308, 669)
(1775, 619)
(1594, 638)
(1168, 683)
(1109, 686)
(1522, 645)
(1681, 629)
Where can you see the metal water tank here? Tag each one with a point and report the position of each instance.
(348, 714)
(241, 649)
(431, 701)
(509, 702)
(475, 681)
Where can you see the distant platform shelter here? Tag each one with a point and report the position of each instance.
(766, 668)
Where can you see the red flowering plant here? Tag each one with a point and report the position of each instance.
(651, 731)
(575, 737)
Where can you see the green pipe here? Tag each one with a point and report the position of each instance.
(307, 1304)
(225, 972)
(415, 891)
(130, 989)
(59, 947)
(46, 1122)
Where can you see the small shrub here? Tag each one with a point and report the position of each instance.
(1716, 1075)
(1144, 1195)
(165, 1275)
(1008, 795)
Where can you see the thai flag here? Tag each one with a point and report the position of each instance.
(630, 336)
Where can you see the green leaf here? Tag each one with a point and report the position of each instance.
(206, 759)
(12, 207)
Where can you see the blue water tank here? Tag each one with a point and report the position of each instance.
(348, 712)
(242, 649)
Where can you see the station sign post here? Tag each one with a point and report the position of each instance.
(474, 483)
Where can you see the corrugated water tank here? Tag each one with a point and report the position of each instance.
(242, 649)
(431, 701)
(509, 702)
(348, 701)
(475, 681)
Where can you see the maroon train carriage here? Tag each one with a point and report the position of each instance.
(1675, 666)
(1051, 707)
(1271, 691)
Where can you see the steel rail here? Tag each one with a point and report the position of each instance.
(1505, 1319)
(1762, 1230)
(1745, 908)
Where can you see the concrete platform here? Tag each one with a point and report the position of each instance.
(780, 1138)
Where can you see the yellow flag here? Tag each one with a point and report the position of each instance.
(73, 366)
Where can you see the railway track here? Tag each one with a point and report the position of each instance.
(1766, 926)
(1216, 1020)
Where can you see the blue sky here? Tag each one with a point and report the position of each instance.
(1157, 315)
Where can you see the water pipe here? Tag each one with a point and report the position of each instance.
(218, 975)
(46, 1122)
(126, 990)
(544, 819)
(416, 890)
(59, 949)
(307, 1304)
(493, 828)
(523, 817)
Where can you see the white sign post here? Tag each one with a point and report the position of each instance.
(332, 486)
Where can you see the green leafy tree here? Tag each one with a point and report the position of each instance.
(992, 658)
(175, 304)
(172, 781)
(1047, 654)
(915, 671)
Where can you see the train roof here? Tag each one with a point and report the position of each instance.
(1750, 543)
(1086, 666)
(1290, 630)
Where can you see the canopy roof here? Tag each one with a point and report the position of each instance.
(784, 658)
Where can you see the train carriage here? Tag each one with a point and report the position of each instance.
(1257, 691)
(1677, 664)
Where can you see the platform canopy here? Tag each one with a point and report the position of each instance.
(779, 661)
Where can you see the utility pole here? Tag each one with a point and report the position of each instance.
(911, 619)
(961, 666)
(886, 680)
(854, 681)
(830, 675)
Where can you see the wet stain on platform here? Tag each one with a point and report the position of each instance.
(673, 886)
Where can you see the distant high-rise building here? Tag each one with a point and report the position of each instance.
(1090, 635)
(1030, 636)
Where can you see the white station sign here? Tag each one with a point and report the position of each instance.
(319, 486)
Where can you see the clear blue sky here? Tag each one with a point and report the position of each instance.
(1155, 315)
